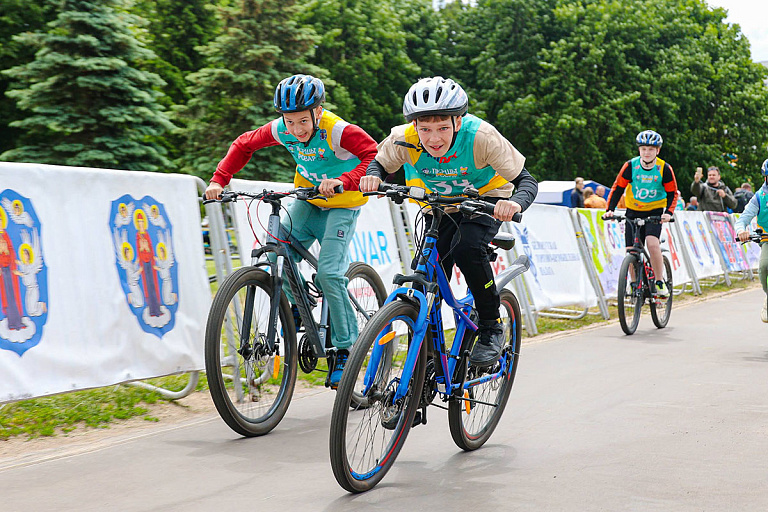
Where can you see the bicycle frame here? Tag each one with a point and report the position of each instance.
(430, 275)
(317, 333)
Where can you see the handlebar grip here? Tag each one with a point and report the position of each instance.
(518, 217)
(338, 189)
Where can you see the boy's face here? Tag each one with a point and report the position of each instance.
(648, 154)
(436, 136)
(299, 124)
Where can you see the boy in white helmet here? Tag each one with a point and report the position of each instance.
(758, 207)
(445, 150)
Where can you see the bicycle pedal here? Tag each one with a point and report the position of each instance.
(419, 418)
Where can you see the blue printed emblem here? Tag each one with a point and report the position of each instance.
(23, 275)
(143, 239)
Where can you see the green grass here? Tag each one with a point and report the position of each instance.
(49, 416)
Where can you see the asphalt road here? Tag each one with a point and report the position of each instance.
(665, 420)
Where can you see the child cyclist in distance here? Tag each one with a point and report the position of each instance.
(758, 207)
(651, 190)
(328, 152)
(444, 149)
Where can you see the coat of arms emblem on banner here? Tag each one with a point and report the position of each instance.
(143, 239)
(23, 275)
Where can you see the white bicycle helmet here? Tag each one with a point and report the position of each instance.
(435, 96)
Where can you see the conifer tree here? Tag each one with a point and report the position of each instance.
(260, 45)
(89, 104)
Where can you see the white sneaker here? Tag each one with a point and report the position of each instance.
(764, 313)
(662, 290)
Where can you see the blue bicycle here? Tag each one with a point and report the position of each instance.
(401, 363)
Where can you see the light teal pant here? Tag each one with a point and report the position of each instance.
(333, 229)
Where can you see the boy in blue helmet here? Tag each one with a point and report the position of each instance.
(444, 149)
(328, 152)
(758, 207)
(651, 190)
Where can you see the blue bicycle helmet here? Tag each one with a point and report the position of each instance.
(298, 93)
(765, 168)
(649, 138)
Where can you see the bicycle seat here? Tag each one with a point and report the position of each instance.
(504, 241)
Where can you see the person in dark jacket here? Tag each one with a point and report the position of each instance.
(714, 195)
(742, 194)
(577, 194)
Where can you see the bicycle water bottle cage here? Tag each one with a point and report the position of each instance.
(429, 286)
(313, 292)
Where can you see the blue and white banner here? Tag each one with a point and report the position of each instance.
(102, 275)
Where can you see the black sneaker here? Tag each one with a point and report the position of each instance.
(490, 340)
(339, 361)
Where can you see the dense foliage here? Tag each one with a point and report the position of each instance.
(569, 82)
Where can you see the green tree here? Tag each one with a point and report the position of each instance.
(16, 16)
(89, 104)
(572, 82)
(363, 45)
(175, 29)
(260, 44)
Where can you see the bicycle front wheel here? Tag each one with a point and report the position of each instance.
(661, 310)
(366, 438)
(473, 420)
(251, 383)
(630, 296)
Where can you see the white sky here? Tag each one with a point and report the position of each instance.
(752, 17)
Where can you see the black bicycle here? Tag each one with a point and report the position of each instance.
(637, 282)
(251, 352)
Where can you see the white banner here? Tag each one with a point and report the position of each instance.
(751, 250)
(557, 276)
(698, 241)
(102, 275)
(373, 243)
(606, 243)
(673, 246)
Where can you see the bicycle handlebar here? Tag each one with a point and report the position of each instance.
(302, 193)
(756, 236)
(654, 219)
(466, 205)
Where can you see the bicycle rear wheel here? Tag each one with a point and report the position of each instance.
(365, 439)
(367, 293)
(630, 295)
(251, 385)
(661, 311)
(472, 423)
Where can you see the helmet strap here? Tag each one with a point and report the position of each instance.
(455, 132)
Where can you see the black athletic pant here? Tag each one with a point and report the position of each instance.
(465, 241)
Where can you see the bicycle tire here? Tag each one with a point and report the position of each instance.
(254, 396)
(471, 425)
(366, 286)
(365, 441)
(633, 300)
(660, 319)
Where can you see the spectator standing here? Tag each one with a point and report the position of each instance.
(713, 195)
(742, 194)
(593, 200)
(693, 205)
(577, 194)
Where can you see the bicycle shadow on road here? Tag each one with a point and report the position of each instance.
(464, 479)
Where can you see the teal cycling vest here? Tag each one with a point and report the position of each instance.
(450, 174)
(321, 158)
(646, 191)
